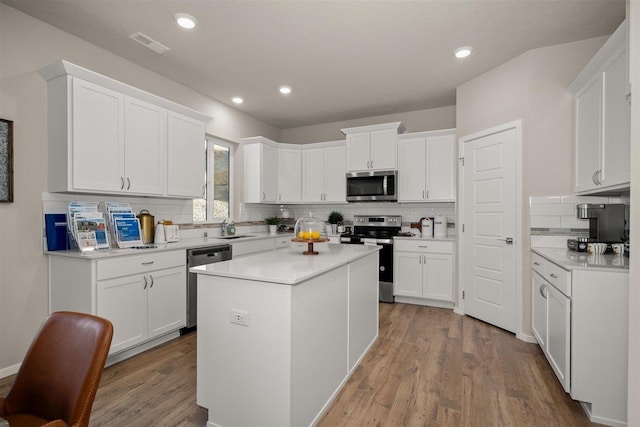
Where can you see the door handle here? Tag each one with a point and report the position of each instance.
(145, 282)
(151, 277)
(508, 240)
(121, 183)
(553, 275)
(128, 183)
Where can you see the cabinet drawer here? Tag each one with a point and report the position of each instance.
(283, 242)
(558, 277)
(423, 245)
(137, 264)
(538, 263)
(252, 246)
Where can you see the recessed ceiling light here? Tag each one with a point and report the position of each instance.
(185, 21)
(237, 100)
(462, 52)
(285, 90)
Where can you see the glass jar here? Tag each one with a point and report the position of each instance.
(310, 228)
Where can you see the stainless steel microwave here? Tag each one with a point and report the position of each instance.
(372, 186)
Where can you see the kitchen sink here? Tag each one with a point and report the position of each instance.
(232, 237)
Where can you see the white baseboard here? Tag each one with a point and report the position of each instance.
(9, 370)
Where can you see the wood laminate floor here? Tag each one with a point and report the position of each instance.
(429, 367)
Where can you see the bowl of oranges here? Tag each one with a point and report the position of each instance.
(311, 230)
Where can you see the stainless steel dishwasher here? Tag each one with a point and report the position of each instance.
(196, 257)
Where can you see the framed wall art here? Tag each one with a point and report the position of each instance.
(6, 161)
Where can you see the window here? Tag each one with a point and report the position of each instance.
(217, 204)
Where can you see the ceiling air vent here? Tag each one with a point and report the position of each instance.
(147, 41)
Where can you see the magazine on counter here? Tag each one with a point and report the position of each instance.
(91, 231)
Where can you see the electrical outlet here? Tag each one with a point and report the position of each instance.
(240, 317)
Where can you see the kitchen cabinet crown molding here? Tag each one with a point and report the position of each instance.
(372, 128)
(439, 132)
(62, 68)
(617, 39)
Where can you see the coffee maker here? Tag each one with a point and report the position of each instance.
(606, 225)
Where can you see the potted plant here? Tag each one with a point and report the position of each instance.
(272, 222)
(334, 219)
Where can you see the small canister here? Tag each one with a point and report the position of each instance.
(427, 228)
(146, 226)
(440, 226)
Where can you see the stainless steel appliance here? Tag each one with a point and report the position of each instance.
(372, 186)
(377, 230)
(606, 225)
(196, 257)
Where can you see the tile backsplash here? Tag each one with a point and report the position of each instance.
(556, 215)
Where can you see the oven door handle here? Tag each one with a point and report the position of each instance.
(384, 185)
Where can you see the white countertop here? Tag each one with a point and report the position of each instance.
(288, 265)
(198, 242)
(445, 239)
(570, 260)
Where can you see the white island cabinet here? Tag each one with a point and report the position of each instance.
(279, 333)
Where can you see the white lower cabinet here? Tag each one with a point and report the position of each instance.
(552, 326)
(580, 320)
(423, 269)
(144, 296)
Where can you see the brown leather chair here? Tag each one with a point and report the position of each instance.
(60, 373)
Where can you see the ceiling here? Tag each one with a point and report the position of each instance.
(344, 59)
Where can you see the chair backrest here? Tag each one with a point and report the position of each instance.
(60, 373)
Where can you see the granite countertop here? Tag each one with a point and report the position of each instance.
(197, 242)
(288, 265)
(570, 260)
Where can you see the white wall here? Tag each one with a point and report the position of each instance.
(27, 44)
(633, 409)
(414, 121)
(531, 87)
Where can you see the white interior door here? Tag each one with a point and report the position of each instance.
(489, 218)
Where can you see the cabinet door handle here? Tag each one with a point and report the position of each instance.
(423, 194)
(371, 164)
(145, 282)
(147, 262)
(541, 291)
(121, 183)
(264, 196)
(420, 259)
(204, 189)
(279, 196)
(593, 178)
(151, 277)
(128, 183)
(599, 177)
(423, 247)
(427, 194)
(536, 263)
(553, 275)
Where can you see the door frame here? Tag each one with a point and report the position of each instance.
(519, 244)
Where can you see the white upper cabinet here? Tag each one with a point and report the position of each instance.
(426, 166)
(602, 93)
(145, 147)
(260, 170)
(186, 157)
(324, 178)
(372, 147)
(289, 175)
(94, 156)
(108, 137)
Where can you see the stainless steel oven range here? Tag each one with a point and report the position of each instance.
(377, 230)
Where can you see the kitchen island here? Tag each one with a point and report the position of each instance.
(279, 332)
